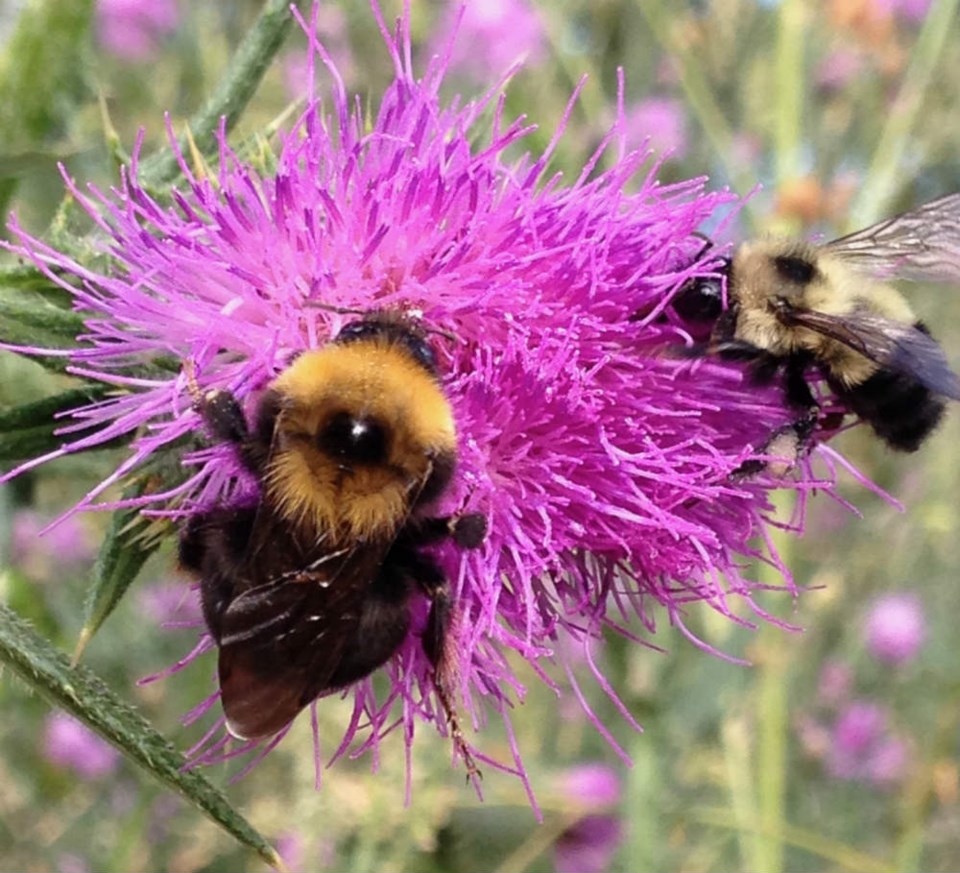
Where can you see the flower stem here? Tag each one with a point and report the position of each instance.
(772, 715)
(885, 171)
(791, 33)
(238, 85)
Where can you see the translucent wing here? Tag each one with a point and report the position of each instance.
(922, 244)
(283, 641)
(891, 344)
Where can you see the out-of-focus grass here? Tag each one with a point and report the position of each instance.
(804, 98)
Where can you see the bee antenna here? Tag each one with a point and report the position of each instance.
(339, 310)
(707, 244)
(446, 334)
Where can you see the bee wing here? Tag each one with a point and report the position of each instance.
(282, 642)
(891, 344)
(922, 244)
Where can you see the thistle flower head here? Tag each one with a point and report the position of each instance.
(69, 744)
(864, 746)
(601, 457)
(895, 628)
(133, 29)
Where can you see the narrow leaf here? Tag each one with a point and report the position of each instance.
(81, 693)
(40, 311)
(125, 550)
(27, 431)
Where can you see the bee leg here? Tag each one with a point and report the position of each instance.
(442, 655)
(219, 409)
(795, 382)
(468, 530)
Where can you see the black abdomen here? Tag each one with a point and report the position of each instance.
(899, 409)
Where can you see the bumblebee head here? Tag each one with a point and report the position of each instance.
(363, 432)
(700, 300)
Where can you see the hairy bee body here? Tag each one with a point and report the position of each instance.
(793, 306)
(308, 588)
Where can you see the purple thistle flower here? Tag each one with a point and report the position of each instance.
(45, 553)
(591, 786)
(592, 790)
(589, 845)
(291, 848)
(864, 748)
(602, 459)
(895, 628)
(835, 683)
(134, 29)
(909, 10)
(491, 35)
(663, 122)
(69, 744)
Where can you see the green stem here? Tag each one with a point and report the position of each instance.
(230, 97)
(741, 783)
(882, 177)
(772, 716)
(791, 38)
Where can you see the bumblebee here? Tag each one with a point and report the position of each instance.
(308, 588)
(795, 305)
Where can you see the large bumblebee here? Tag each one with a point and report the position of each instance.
(308, 589)
(795, 305)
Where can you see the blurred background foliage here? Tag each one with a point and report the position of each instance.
(838, 748)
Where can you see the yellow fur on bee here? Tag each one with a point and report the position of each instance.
(367, 378)
(837, 289)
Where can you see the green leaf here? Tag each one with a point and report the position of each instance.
(39, 81)
(81, 693)
(28, 430)
(41, 310)
(40, 84)
(34, 320)
(129, 542)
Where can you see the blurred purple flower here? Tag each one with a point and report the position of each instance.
(835, 684)
(591, 786)
(291, 848)
(162, 812)
(45, 554)
(863, 747)
(170, 603)
(133, 30)
(909, 10)
(895, 628)
(69, 744)
(491, 35)
(838, 68)
(591, 791)
(662, 121)
(71, 863)
(603, 462)
(589, 846)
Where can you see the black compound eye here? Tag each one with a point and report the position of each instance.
(794, 269)
(354, 439)
(699, 300)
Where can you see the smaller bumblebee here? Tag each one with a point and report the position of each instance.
(308, 588)
(795, 305)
